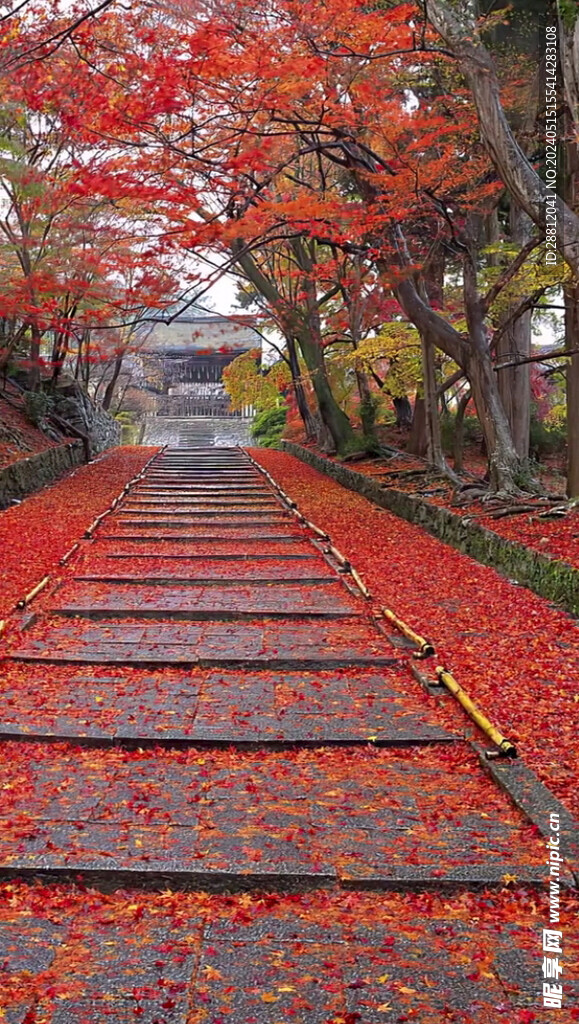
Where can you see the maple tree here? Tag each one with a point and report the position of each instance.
(351, 130)
(72, 263)
(248, 194)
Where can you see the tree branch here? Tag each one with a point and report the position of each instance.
(509, 272)
(541, 358)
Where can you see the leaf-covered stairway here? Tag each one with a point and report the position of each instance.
(205, 703)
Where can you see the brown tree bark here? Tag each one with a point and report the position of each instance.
(306, 332)
(515, 343)
(458, 440)
(34, 372)
(456, 24)
(571, 293)
(571, 290)
(311, 426)
(418, 440)
(110, 388)
(434, 452)
(403, 411)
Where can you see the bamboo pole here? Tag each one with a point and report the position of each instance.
(69, 553)
(331, 550)
(24, 601)
(89, 532)
(316, 529)
(425, 648)
(506, 748)
(360, 583)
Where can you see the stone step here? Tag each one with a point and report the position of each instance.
(307, 958)
(194, 601)
(286, 546)
(170, 496)
(192, 504)
(210, 818)
(217, 574)
(308, 644)
(198, 433)
(200, 488)
(173, 708)
(213, 532)
(278, 554)
(205, 474)
(227, 517)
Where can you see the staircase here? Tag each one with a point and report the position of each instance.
(197, 431)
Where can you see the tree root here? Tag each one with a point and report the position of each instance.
(559, 511)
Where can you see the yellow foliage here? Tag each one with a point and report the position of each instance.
(398, 343)
(245, 383)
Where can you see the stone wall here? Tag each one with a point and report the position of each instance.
(27, 475)
(73, 406)
(555, 580)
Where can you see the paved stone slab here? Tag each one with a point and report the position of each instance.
(204, 533)
(160, 568)
(191, 496)
(205, 536)
(281, 552)
(243, 599)
(232, 510)
(277, 645)
(196, 487)
(215, 519)
(302, 959)
(363, 818)
(219, 707)
(538, 803)
(208, 475)
(183, 509)
(226, 496)
(114, 974)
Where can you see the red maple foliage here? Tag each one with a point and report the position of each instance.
(39, 531)
(512, 651)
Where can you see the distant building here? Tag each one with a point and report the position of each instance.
(186, 356)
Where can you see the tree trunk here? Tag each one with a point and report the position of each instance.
(418, 442)
(308, 419)
(515, 382)
(458, 440)
(456, 24)
(515, 343)
(434, 453)
(571, 298)
(310, 340)
(332, 416)
(34, 372)
(571, 293)
(110, 388)
(367, 405)
(504, 463)
(308, 337)
(403, 411)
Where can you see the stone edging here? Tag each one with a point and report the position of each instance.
(21, 478)
(552, 579)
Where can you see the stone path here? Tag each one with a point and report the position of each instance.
(207, 704)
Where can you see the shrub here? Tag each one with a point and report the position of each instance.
(130, 427)
(268, 426)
